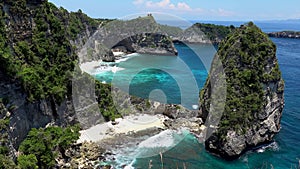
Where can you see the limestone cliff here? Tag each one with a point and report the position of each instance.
(150, 43)
(254, 99)
(145, 35)
(36, 56)
(141, 35)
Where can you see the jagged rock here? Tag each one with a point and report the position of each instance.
(254, 100)
(82, 155)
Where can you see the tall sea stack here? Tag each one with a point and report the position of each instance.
(254, 99)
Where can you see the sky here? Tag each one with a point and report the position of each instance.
(213, 10)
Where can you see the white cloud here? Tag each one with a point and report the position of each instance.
(223, 12)
(166, 4)
(138, 2)
(180, 7)
(184, 6)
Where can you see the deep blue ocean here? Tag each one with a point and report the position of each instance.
(150, 74)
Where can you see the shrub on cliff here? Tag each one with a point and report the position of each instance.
(44, 145)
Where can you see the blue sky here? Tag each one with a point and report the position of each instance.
(226, 10)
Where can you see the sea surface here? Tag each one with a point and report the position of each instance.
(156, 77)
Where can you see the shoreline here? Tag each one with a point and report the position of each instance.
(126, 125)
(98, 66)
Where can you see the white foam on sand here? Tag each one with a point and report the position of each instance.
(118, 53)
(126, 57)
(132, 54)
(160, 143)
(163, 139)
(127, 124)
(97, 67)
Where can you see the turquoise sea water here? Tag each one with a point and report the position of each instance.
(179, 78)
(282, 154)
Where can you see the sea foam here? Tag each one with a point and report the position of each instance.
(160, 143)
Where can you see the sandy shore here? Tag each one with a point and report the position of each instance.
(97, 66)
(133, 123)
(119, 53)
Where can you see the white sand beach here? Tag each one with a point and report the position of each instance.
(133, 123)
(98, 66)
(119, 53)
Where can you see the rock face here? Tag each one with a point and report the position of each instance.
(254, 100)
(150, 43)
(26, 115)
(20, 26)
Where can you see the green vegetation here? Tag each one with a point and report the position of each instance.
(39, 149)
(44, 58)
(27, 161)
(245, 55)
(215, 32)
(42, 146)
(36, 52)
(170, 30)
(102, 93)
(44, 61)
(105, 101)
(37, 62)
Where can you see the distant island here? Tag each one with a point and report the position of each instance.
(285, 34)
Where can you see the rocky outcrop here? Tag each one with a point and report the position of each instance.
(82, 155)
(254, 99)
(285, 34)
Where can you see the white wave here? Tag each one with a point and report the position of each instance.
(126, 57)
(100, 70)
(122, 60)
(160, 143)
(273, 146)
(115, 69)
(163, 139)
(195, 106)
(132, 54)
